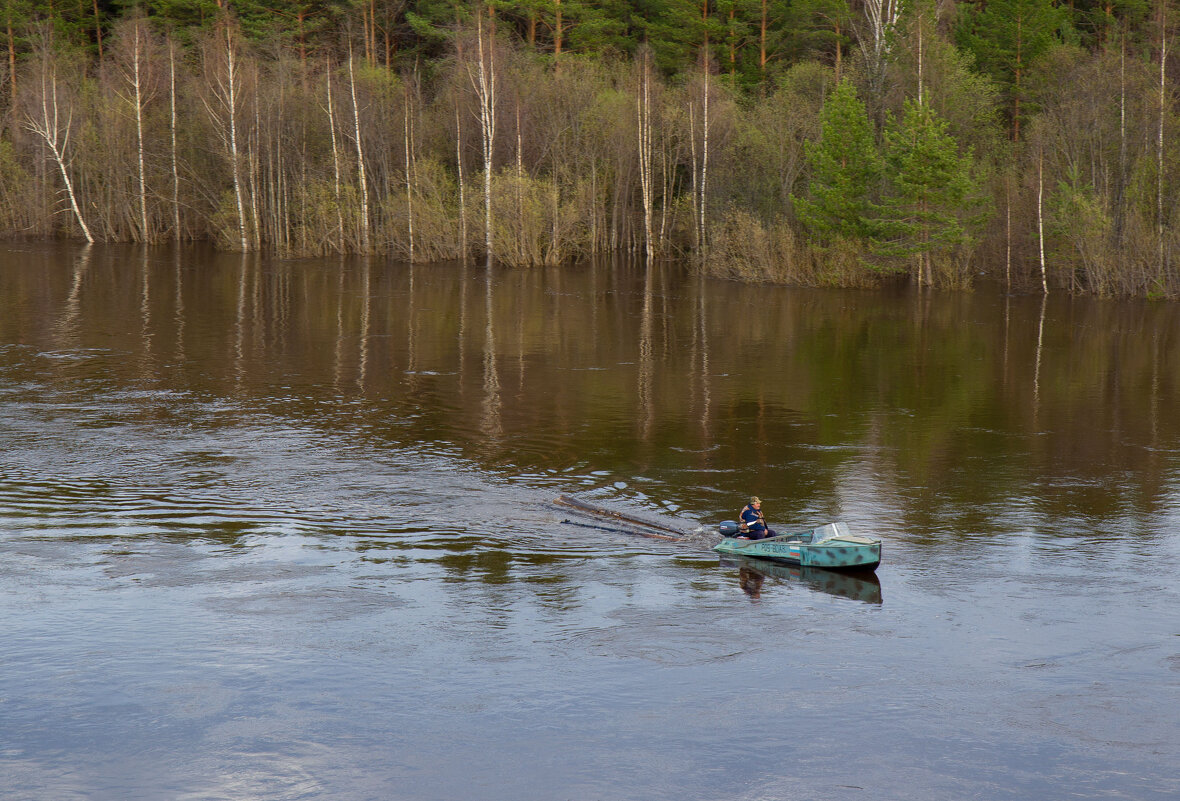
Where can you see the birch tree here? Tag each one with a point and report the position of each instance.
(880, 17)
(646, 173)
(223, 100)
(362, 182)
(133, 51)
(335, 160)
(483, 80)
(172, 136)
(52, 119)
(1163, 112)
(409, 146)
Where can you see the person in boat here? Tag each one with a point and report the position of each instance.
(753, 524)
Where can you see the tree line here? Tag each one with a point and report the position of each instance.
(824, 142)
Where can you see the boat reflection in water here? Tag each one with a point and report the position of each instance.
(863, 586)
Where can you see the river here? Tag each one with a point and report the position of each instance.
(286, 530)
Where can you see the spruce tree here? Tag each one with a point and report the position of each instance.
(845, 166)
(931, 201)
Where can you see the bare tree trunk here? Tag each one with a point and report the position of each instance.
(231, 103)
(11, 59)
(360, 157)
(223, 108)
(520, 224)
(881, 16)
(705, 160)
(692, 142)
(594, 209)
(410, 183)
(97, 27)
(462, 191)
(56, 134)
(1008, 232)
(253, 162)
(172, 134)
(920, 20)
(1159, 177)
(1121, 189)
(762, 41)
(1041, 218)
(484, 82)
(643, 113)
(136, 79)
(335, 162)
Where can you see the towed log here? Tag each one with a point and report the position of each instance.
(602, 511)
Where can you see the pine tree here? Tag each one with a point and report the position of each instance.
(932, 190)
(845, 169)
(822, 28)
(1006, 37)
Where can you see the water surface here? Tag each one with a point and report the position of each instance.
(282, 530)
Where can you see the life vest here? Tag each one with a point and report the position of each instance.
(752, 520)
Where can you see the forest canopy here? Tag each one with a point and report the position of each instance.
(822, 142)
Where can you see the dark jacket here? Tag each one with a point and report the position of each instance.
(752, 519)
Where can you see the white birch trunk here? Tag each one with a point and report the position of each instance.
(692, 144)
(253, 165)
(484, 82)
(1008, 233)
(462, 191)
(1041, 219)
(520, 225)
(172, 133)
(643, 113)
(50, 129)
(360, 157)
(231, 103)
(705, 160)
(335, 163)
(410, 184)
(1159, 177)
(881, 16)
(137, 86)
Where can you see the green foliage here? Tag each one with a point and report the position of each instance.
(1078, 219)
(800, 189)
(1006, 37)
(932, 205)
(820, 27)
(846, 168)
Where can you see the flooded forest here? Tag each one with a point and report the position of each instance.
(807, 142)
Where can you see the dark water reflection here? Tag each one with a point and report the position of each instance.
(285, 530)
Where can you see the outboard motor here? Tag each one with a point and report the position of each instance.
(729, 528)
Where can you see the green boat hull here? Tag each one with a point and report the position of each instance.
(843, 552)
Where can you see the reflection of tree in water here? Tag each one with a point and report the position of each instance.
(490, 423)
(411, 331)
(147, 362)
(67, 323)
(240, 324)
(178, 301)
(941, 413)
(646, 366)
(338, 362)
(366, 302)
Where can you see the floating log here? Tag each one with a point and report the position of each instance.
(602, 511)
